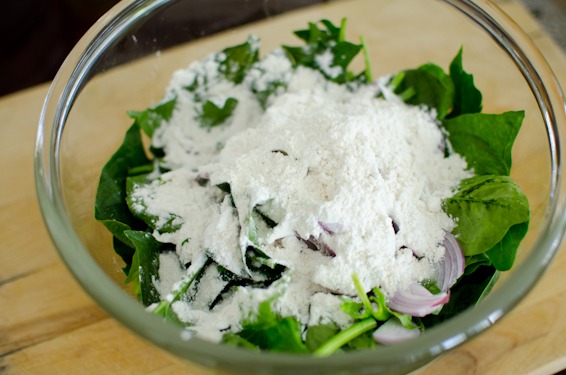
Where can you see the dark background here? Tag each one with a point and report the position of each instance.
(36, 35)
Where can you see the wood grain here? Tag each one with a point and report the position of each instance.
(49, 325)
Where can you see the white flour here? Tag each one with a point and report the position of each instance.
(363, 176)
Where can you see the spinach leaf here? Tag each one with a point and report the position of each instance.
(165, 307)
(427, 85)
(502, 255)
(139, 208)
(234, 62)
(363, 341)
(147, 259)
(259, 265)
(317, 335)
(124, 251)
(467, 98)
(327, 51)
(262, 266)
(235, 340)
(474, 261)
(110, 206)
(270, 331)
(486, 208)
(485, 140)
(212, 115)
(272, 87)
(151, 118)
(133, 276)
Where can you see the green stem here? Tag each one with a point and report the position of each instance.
(361, 293)
(345, 336)
(365, 51)
(342, 35)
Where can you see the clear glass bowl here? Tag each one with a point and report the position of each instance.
(126, 59)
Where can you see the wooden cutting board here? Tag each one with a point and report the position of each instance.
(49, 325)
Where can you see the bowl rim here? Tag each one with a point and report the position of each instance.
(58, 102)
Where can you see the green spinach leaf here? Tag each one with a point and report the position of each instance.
(486, 207)
(212, 115)
(110, 206)
(317, 335)
(133, 276)
(327, 51)
(270, 331)
(467, 98)
(147, 259)
(485, 140)
(151, 118)
(427, 85)
(234, 62)
(474, 261)
(502, 255)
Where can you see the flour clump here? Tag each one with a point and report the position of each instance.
(325, 182)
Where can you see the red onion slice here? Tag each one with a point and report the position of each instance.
(451, 267)
(418, 301)
(316, 244)
(393, 332)
(331, 228)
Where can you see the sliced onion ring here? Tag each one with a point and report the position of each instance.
(331, 228)
(393, 332)
(451, 267)
(418, 301)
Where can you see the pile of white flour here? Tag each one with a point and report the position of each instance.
(361, 175)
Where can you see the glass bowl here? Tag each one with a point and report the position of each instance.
(125, 61)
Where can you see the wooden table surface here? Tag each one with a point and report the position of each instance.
(49, 325)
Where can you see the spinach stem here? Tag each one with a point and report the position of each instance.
(342, 35)
(345, 336)
(363, 296)
(367, 62)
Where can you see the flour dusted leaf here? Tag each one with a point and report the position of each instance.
(213, 114)
(164, 307)
(169, 224)
(234, 62)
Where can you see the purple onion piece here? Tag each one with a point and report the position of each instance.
(395, 226)
(327, 250)
(310, 244)
(331, 228)
(316, 244)
(393, 332)
(449, 270)
(418, 301)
